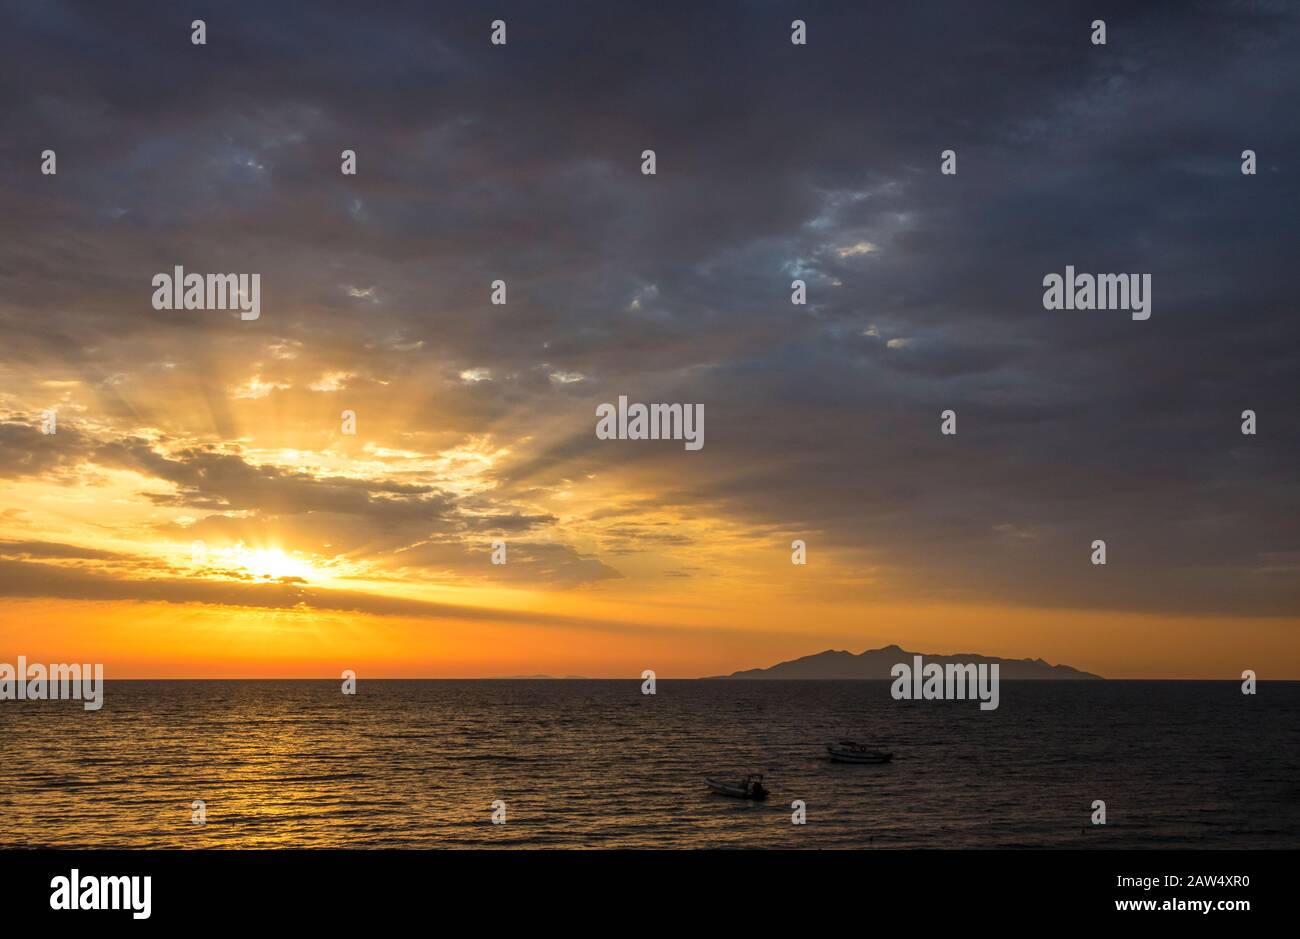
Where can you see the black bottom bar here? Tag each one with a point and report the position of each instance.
(728, 889)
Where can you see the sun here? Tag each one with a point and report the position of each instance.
(274, 563)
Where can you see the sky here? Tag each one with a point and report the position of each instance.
(475, 422)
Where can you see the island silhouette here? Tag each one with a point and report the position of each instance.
(876, 664)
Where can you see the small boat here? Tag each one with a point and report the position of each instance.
(847, 751)
(751, 787)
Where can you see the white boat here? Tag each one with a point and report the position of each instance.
(751, 787)
(847, 751)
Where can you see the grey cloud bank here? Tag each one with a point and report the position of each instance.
(523, 163)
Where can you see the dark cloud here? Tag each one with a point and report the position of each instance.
(55, 550)
(775, 161)
(25, 451)
(22, 579)
(556, 565)
(208, 478)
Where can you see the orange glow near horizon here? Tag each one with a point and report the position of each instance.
(151, 640)
(298, 553)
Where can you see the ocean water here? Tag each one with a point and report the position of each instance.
(418, 764)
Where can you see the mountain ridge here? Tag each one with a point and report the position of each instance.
(875, 664)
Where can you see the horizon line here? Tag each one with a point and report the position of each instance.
(638, 679)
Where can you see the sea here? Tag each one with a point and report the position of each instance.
(598, 764)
